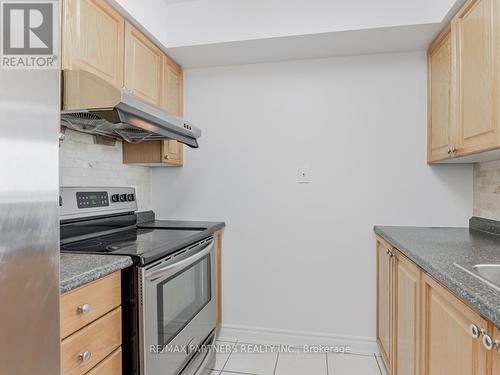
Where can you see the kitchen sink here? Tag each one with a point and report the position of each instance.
(489, 273)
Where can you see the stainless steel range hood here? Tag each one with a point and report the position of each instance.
(94, 106)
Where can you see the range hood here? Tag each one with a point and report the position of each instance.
(94, 106)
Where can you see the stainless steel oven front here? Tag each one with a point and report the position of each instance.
(177, 311)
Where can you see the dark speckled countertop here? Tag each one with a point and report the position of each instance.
(80, 269)
(437, 249)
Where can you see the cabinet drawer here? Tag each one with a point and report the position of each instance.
(100, 297)
(112, 365)
(99, 339)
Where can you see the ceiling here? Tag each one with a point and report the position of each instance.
(205, 33)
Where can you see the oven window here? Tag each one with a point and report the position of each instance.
(181, 298)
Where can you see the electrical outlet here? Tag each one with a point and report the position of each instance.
(303, 175)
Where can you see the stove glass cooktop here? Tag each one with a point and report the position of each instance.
(144, 243)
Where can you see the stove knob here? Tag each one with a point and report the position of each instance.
(123, 197)
(130, 197)
(115, 198)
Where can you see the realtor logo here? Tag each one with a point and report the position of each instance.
(29, 35)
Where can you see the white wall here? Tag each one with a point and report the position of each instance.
(83, 163)
(302, 257)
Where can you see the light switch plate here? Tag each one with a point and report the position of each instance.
(303, 175)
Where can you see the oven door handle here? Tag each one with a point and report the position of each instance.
(156, 274)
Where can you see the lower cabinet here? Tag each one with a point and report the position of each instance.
(423, 329)
(496, 352)
(91, 328)
(451, 334)
(385, 282)
(406, 316)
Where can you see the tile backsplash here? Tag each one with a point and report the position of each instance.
(83, 163)
(487, 190)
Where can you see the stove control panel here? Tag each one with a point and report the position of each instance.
(90, 199)
(76, 202)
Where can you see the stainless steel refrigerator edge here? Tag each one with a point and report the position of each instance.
(29, 225)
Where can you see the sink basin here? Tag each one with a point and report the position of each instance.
(491, 272)
(488, 273)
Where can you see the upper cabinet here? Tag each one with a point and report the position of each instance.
(463, 119)
(172, 87)
(143, 66)
(440, 137)
(477, 47)
(97, 39)
(93, 39)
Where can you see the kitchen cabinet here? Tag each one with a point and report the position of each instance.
(91, 328)
(463, 86)
(385, 293)
(153, 153)
(97, 39)
(143, 66)
(440, 129)
(172, 102)
(406, 316)
(93, 39)
(496, 351)
(423, 329)
(165, 152)
(171, 87)
(451, 342)
(477, 55)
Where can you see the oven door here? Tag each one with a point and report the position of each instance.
(178, 308)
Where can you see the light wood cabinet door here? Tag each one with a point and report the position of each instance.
(407, 317)
(440, 132)
(172, 91)
(173, 152)
(81, 306)
(447, 344)
(111, 365)
(385, 302)
(477, 56)
(143, 66)
(92, 39)
(172, 87)
(496, 352)
(100, 339)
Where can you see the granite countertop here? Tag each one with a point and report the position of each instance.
(80, 269)
(436, 250)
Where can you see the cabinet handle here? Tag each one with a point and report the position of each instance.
(454, 150)
(474, 331)
(167, 157)
(84, 356)
(83, 309)
(488, 342)
(449, 150)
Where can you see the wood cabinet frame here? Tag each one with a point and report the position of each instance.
(79, 51)
(440, 153)
(419, 308)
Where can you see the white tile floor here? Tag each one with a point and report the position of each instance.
(232, 360)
